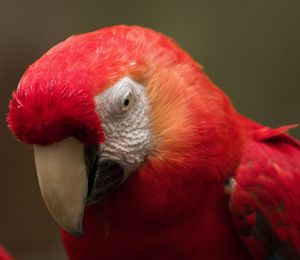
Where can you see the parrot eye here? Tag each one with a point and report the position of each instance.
(127, 102)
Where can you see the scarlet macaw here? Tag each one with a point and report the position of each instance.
(140, 156)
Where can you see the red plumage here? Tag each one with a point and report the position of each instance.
(57, 106)
(174, 207)
(4, 255)
(268, 188)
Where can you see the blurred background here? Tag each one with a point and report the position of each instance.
(251, 49)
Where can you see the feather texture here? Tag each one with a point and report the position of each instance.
(265, 202)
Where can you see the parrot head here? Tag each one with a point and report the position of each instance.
(117, 103)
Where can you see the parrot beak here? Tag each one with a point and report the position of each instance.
(62, 177)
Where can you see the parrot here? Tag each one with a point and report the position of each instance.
(139, 155)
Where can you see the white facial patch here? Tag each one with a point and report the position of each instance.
(123, 109)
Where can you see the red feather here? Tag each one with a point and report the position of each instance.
(268, 185)
(4, 254)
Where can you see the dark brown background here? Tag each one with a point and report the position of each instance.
(251, 49)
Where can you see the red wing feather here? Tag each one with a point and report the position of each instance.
(265, 201)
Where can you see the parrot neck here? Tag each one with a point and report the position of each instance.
(138, 219)
(217, 228)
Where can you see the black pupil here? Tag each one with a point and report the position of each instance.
(126, 102)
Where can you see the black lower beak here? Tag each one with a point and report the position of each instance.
(104, 176)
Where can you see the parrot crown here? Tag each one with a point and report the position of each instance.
(40, 115)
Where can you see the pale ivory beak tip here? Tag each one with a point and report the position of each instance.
(76, 231)
(73, 229)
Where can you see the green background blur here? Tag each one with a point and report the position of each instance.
(251, 49)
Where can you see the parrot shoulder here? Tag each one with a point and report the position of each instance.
(264, 194)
